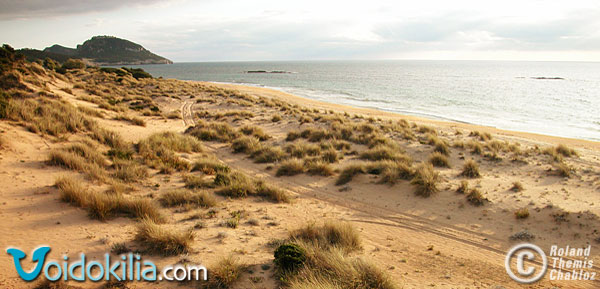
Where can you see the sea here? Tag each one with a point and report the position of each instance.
(552, 98)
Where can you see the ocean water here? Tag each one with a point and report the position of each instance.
(521, 96)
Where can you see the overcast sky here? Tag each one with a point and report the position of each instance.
(223, 30)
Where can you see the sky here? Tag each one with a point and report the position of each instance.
(242, 30)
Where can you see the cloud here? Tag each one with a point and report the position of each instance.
(16, 9)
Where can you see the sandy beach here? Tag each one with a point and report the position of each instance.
(436, 204)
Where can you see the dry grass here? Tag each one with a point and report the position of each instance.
(560, 150)
(337, 234)
(349, 172)
(439, 160)
(290, 167)
(169, 140)
(245, 144)
(104, 206)
(73, 160)
(129, 171)
(197, 182)
(71, 191)
(161, 240)
(210, 166)
(384, 152)
(517, 187)
(213, 131)
(563, 170)
(131, 119)
(189, 198)
(320, 168)
(255, 131)
(268, 154)
(522, 213)
(272, 193)
(302, 149)
(224, 274)
(390, 171)
(475, 197)
(470, 169)
(328, 269)
(463, 188)
(425, 180)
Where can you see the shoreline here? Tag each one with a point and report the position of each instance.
(535, 138)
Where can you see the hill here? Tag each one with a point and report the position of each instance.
(100, 50)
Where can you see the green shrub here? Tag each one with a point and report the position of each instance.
(289, 257)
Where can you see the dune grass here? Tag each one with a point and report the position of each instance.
(439, 160)
(425, 180)
(159, 239)
(318, 167)
(103, 206)
(186, 197)
(213, 131)
(349, 172)
(463, 188)
(290, 167)
(268, 154)
(255, 131)
(470, 169)
(522, 213)
(475, 197)
(384, 152)
(129, 171)
(71, 159)
(331, 234)
(209, 166)
(245, 144)
(224, 274)
(302, 149)
(322, 260)
(517, 187)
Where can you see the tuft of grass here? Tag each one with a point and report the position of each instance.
(476, 147)
(161, 240)
(349, 172)
(426, 180)
(272, 193)
(276, 118)
(236, 185)
(74, 161)
(185, 197)
(71, 191)
(210, 166)
(560, 150)
(245, 144)
(470, 169)
(517, 187)
(302, 149)
(224, 274)
(197, 182)
(390, 171)
(292, 136)
(439, 160)
(463, 188)
(319, 168)
(290, 167)
(131, 119)
(563, 170)
(104, 206)
(475, 197)
(333, 268)
(129, 171)
(255, 131)
(384, 152)
(213, 131)
(268, 154)
(330, 155)
(439, 145)
(337, 234)
(522, 213)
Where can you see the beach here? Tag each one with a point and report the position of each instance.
(405, 197)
